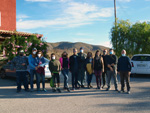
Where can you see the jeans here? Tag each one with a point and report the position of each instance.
(89, 78)
(32, 73)
(40, 76)
(109, 75)
(74, 79)
(65, 74)
(21, 77)
(125, 76)
(98, 75)
(104, 77)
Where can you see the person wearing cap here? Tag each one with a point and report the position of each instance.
(21, 62)
(112, 69)
(124, 70)
(33, 65)
(105, 67)
(82, 69)
(74, 66)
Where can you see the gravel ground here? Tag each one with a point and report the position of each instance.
(79, 101)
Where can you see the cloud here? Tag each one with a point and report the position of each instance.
(124, 0)
(38, 0)
(106, 44)
(74, 15)
(82, 39)
(22, 16)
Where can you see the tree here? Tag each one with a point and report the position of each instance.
(134, 38)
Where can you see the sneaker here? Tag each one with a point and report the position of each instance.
(107, 89)
(116, 90)
(31, 90)
(59, 90)
(128, 92)
(82, 86)
(44, 90)
(98, 87)
(18, 91)
(103, 86)
(122, 91)
(53, 90)
(68, 89)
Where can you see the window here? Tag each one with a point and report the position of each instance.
(141, 58)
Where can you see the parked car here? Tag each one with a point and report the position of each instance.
(9, 70)
(140, 64)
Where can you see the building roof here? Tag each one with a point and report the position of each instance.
(19, 33)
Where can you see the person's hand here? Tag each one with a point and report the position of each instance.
(23, 64)
(62, 68)
(36, 68)
(112, 64)
(129, 73)
(102, 71)
(111, 69)
(118, 72)
(108, 65)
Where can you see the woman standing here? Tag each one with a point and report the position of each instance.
(64, 61)
(40, 71)
(89, 69)
(98, 68)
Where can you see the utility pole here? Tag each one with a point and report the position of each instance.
(115, 24)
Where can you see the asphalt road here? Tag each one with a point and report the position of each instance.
(79, 101)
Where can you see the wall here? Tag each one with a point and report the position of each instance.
(8, 15)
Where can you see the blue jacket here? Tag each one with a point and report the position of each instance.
(32, 62)
(124, 64)
(40, 60)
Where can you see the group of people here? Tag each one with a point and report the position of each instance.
(81, 66)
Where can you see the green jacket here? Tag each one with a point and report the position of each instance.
(54, 66)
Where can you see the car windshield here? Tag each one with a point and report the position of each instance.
(141, 58)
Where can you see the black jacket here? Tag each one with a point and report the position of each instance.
(124, 64)
(111, 59)
(74, 64)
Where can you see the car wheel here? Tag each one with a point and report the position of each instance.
(2, 74)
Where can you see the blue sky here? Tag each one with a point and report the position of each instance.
(86, 21)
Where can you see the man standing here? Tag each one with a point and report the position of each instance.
(33, 64)
(112, 69)
(124, 69)
(105, 67)
(74, 63)
(21, 62)
(82, 69)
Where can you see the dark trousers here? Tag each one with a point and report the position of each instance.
(74, 78)
(56, 77)
(81, 76)
(89, 78)
(98, 77)
(65, 74)
(104, 77)
(40, 76)
(125, 76)
(22, 77)
(32, 73)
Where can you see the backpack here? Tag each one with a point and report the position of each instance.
(89, 68)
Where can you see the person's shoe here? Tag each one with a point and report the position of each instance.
(18, 91)
(77, 87)
(103, 86)
(90, 86)
(64, 88)
(68, 89)
(122, 91)
(107, 89)
(53, 90)
(31, 90)
(73, 89)
(27, 90)
(98, 87)
(128, 92)
(82, 86)
(59, 90)
(44, 90)
(116, 90)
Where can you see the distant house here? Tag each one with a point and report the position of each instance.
(8, 21)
